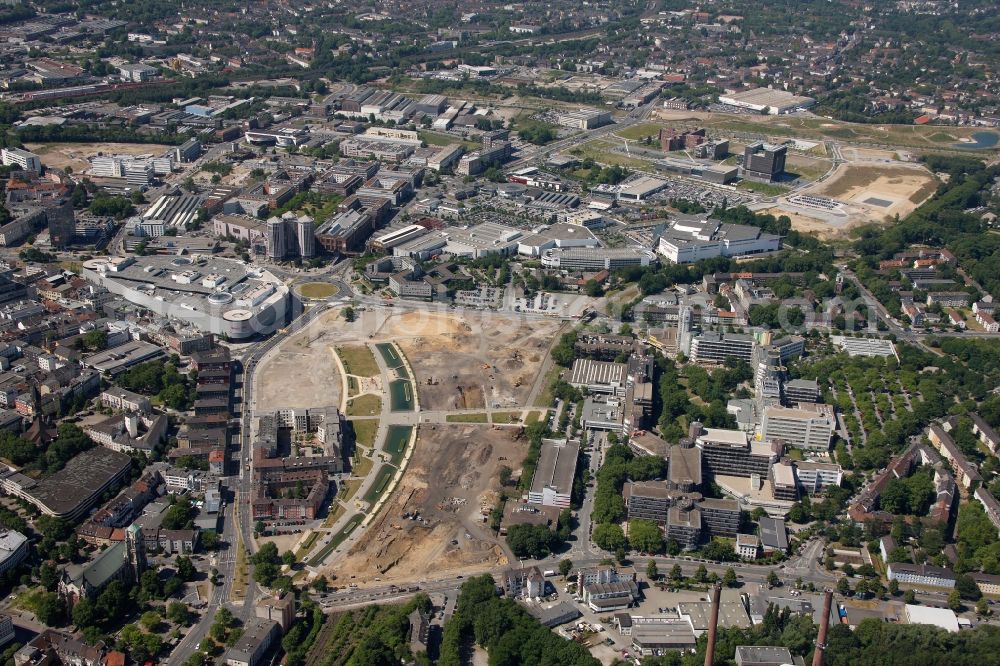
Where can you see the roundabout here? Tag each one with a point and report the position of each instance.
(317, 291)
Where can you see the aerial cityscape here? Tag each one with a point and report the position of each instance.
(494, 334)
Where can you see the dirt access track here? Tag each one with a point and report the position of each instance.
(450, 482)
(448, 353)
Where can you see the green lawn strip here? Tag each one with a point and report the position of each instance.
(479, 417)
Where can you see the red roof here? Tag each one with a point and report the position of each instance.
(114, 658)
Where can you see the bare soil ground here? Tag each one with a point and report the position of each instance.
(880, 191)
(813, 225)
(807, 166)
(856, 154)
(450, 480)
(282, 541)
(449, 351)
(75, 155)
(302, 373)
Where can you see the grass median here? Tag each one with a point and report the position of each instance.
(337, 539)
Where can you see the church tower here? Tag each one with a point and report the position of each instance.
(135, 551)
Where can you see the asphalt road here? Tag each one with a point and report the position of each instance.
(804, 569)
(637, 115)
(238, 522)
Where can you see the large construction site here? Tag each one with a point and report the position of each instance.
(855, 194)
(434, 516)
(435, 520)
(878, 191)
(460, 360)
(472, 361)
(302, 372)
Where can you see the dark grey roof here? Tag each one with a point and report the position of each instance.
(560, 613)
(685, 465)
(772, 533)
(81, 479)
(762, 655)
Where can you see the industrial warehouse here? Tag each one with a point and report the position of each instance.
(767, 100)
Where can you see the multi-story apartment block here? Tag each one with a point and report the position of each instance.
(921, 574)
(711, 347)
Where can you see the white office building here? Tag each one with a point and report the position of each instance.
(583, 119)
(714, 347)
(807, 426)
(21, 158)
(13, 549)
(552, 484)
(690, 239)
(137, 72)
(813, 477)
